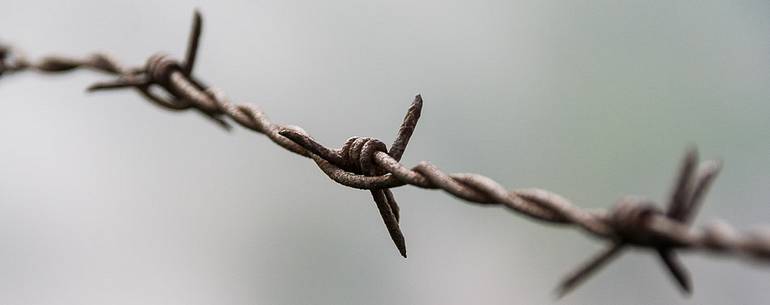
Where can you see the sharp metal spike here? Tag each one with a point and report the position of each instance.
(391, 223)
(703, 181)
(587, 269)
(119, 83)
(393, 204)
(680, 199)
(193, 43)
(406, 129)
(677, 269)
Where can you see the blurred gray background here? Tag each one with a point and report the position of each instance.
(105, 199)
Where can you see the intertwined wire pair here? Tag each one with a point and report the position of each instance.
(366, 163)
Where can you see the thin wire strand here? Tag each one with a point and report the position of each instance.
(365, 163)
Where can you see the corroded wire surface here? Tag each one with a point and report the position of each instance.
(366, 163)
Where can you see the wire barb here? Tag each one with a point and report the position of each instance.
(357, 156)
(192, 45)
(366, 163)
(634, 213)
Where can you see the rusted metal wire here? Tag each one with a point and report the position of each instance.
(366, 163)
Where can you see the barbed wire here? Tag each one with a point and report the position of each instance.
(366, 163)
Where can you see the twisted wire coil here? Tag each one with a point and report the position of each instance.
(366, 163)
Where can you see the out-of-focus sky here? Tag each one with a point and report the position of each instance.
(105, 199)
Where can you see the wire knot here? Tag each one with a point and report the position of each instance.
(159, 68)
(176, 78)
(358, 155)
(630, 219)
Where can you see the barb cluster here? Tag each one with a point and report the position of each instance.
(366, 163)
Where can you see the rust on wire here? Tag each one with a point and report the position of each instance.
(366, 163)
(632, 213)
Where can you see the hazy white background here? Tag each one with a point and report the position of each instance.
(105, 199)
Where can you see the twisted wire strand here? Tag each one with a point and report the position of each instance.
(366, 163)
